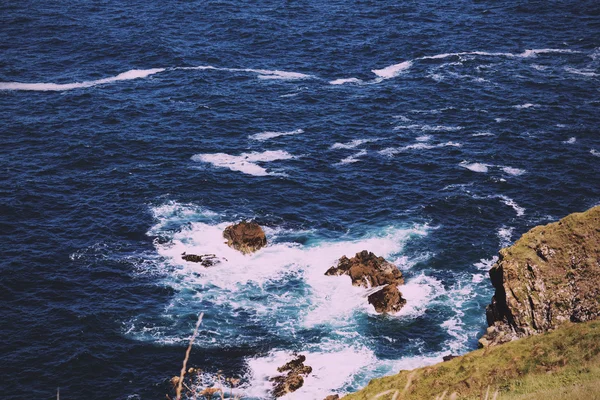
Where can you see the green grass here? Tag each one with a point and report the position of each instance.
(563, 364)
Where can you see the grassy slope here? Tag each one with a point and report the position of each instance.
(563, 364)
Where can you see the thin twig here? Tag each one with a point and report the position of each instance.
(187, 356)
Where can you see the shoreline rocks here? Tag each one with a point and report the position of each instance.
(367, 270)
(293, 380)
(549, 276)
(246, 237)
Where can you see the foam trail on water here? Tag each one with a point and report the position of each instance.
(505, 236)
(262, 73)
(245, 162)
(353, 158)
(510, 202)
(535, 52)
(393, 70)
(525, 106)
(390, 151)
(429, 128)
(585, 72)
(475, 167)
(513, 171)
(345, 80)
(352, 144)
(125, 76)
(270, 135)
(571, 140)
(595, 152)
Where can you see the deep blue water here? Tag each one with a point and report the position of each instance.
(430, 133)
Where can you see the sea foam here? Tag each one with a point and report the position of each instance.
(270, 135)
(245, 162)
(125, 76)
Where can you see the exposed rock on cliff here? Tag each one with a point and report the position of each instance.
(293, 380)
(549, 276)
(246, 237)
(367, 270)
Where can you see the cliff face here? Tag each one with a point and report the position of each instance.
(549, 276)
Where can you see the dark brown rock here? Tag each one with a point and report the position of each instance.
(332, 397)
(207, 260)
(246, 237)
(549, 276)
(367, 270)
(387, 300)
(449, 357)
(293, 380)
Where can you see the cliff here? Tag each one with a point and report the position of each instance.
(563, 364)
(551, 275)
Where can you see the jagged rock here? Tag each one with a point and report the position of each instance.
(387, 300)
(332, 397)
(449, 357)
(367, 270)
(246, 237)
(293, 380)
(207, 260)
(549, 276)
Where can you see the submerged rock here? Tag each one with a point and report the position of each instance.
(549, 276)
(293, 380)
(246, 237)
(367, 270)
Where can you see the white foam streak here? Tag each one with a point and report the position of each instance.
(345, 80)
(513, 171)
(245, 162)
(354, 158)
(270, 135)
(510, 202)
(393, 70)
(583, 72)
(571, 140)
(429, 128)
(125, 76)
(525, 106)
(390, 151)
(352, 144)
(475, 167)
(505, 236)
(595, 152)
(535, 52)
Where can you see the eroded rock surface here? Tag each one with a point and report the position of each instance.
(293, 380)
(367, 270)
(246, 237)
(549, 276)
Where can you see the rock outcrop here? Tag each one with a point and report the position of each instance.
(549, 276)
(367, 270)
(293, 380)
(246, 237)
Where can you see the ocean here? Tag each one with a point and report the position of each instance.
(432, 134)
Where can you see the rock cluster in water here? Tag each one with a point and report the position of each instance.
(207, 260)
(293, 380)
(367, 270)
(549, 276)
(246, 237)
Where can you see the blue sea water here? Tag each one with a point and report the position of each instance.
(431, 133)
